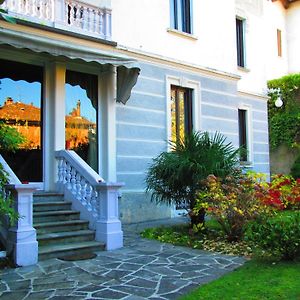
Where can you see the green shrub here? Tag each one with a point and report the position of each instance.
(295, 170)
(175, 177)
(232, 202)
(278, 236)
(6, 204)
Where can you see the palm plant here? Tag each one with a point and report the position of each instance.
(175, 177)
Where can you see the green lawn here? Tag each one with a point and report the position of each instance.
(256, 280)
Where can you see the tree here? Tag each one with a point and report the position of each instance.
(176, 177)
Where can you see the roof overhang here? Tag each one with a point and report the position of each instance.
(286, 3)
(127, 68)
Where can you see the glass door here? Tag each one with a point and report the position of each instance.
(21, 119)
(81, 116)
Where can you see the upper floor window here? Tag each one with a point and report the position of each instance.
(181, 112)
(279, 43)
(243, 134)
(181, 14)
(240, 42)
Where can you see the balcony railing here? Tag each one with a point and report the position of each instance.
(74, 16)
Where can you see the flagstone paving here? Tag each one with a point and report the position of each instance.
(143, 269)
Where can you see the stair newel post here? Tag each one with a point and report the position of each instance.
(108, 226)
(22, 243)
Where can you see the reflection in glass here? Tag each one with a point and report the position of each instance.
(81, 118)
(20, 108)
(181, 113)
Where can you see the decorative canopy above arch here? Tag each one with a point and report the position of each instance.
(127, 68)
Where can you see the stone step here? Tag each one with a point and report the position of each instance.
(52, 216)
(65, 237)
(59, 250)
(47, 197)
(61, 226)
(52, 206)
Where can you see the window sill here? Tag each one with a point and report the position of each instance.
(243, 69)
(182, 34)
(246, 164)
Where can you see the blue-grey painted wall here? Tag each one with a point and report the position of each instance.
(142, 131)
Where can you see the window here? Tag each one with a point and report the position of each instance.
(181, 112)
(240, 42)
(243, 134)
(279, 44)
(181, 15)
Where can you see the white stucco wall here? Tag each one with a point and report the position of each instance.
(293, 37)
(262, 60)
(143, 25)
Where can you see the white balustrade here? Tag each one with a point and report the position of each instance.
(96, 199)
(20, 240)
(70, 15)
(40, 9)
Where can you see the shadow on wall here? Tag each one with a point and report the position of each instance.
(282, 159)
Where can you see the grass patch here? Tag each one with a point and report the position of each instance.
(255, 280)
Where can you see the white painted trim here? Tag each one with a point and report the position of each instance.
(160, 60)
(156, 111)
(134, 91)
(135, 156)
(196, 101)
(151, 78)
(260, 131)
(139, 124)
(219, 119)
(140, 140)
(130, 173)
(107, 124)
(218, 92)
(196, 109)
(249, 128)
(223, 132)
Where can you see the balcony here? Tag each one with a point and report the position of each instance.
(73, 16)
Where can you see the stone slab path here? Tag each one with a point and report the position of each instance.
(143, 269)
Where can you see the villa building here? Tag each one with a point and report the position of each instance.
(144, 73)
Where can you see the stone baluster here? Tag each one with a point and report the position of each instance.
(68, 176)
(88, 195)
(84, 18)
(60, 171)
(94, 204)
(34, 8)
(78, 187)
(83, 191)
(19, 7)
(73, 180)
(101, 23)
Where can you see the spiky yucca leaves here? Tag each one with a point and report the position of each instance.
(176, 176)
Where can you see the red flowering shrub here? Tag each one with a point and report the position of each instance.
(283, 192)
(232, 202)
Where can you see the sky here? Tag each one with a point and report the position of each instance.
(31, 93)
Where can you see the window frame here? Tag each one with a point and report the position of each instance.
(195, 86)
(249, 134)
(181, 15)
(240, 25)
(279, 42)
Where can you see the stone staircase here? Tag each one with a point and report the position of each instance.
(60, 232)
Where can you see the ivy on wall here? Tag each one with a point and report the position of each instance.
(284, 122)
